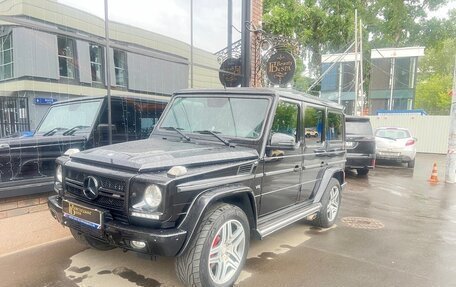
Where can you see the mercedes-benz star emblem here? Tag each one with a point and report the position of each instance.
(91, 187)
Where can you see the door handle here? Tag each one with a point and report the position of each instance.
(297, 168)
(336, 151)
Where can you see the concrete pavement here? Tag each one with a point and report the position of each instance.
(394, 229)
(29, 230)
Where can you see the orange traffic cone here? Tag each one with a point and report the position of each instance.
(434, 176)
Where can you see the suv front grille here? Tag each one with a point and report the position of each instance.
(111, 195)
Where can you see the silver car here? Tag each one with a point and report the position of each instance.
(396, 144)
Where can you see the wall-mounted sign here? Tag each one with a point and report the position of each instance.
(230, 72)
(280, 68)
(44, 101)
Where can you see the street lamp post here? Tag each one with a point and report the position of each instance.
(108, 70)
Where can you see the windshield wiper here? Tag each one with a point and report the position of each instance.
(53, 131)
(227, 143)
(178, 131)
(74, 129)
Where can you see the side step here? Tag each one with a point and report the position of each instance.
(282, 218)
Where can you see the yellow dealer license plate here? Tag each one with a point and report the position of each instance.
(87, 216)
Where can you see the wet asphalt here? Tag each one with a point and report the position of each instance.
(394, 229)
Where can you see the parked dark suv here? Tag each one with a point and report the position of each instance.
(27, 164)
(219, 165)
(360, 143)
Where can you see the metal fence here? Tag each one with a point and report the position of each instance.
(14, 116)
(431, 131)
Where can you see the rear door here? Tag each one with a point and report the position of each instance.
(335, 139)
(314, 149)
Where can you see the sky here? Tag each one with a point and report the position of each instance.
(172, 18)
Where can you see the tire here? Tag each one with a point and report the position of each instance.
(91, 242)
(362, 171)
(411, 164)
(323, 219)
(193, 267)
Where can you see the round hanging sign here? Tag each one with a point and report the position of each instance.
(230, 72)
(280, 68)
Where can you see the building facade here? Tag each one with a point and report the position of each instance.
(391, 83)
(393, 78)
(338, 84)
(51, 52)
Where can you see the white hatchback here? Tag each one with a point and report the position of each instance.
(395, 144)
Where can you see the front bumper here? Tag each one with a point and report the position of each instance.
(162, 242)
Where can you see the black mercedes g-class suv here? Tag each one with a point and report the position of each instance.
(360, 143)
(219, 166)
(27, 164)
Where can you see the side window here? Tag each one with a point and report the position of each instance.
(335, 130)
(286, 120)
(132, 119)
(146, 115)
(314, 125)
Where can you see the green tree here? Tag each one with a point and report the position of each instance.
(433, 94)
(396, 23)
(435, 78)
(438, 59)
(327, 26)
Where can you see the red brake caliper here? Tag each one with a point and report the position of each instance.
(216, 240)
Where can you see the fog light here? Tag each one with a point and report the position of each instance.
(137, 244)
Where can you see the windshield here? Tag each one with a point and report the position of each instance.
(232, 117)
(65, 117)
(392, 134)
(358, 128)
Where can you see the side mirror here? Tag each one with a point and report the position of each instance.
(105, 127)
(415, 139)
(282, 141)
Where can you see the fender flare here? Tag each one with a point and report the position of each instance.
(204, 200)
(333, 172)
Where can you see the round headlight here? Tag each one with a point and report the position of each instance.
(58, 173)
(152, 196)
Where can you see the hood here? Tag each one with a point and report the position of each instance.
(33, 141)
(156, 153)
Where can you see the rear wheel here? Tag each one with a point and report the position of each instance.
(411, 164)
(362, 171)
(217, 252)
(331, 203)
(91, 242)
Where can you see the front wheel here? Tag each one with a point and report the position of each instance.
(331, 203)
(218, 250)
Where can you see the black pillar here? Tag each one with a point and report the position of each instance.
(245, 43)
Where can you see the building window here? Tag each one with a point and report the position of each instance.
(66, 57)
(96, 63)
(120, 68)
(6, 57)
